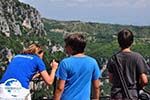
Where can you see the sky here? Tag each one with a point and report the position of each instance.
(125, 12)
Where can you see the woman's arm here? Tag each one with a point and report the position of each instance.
(49, 78)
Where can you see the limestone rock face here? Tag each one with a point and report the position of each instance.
(15, 16)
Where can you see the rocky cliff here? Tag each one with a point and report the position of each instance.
(20, 25)
(16, 16)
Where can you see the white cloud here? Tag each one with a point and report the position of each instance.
(98, 3)
(113, 3)
(142, 3)
(82, 1)
(108, 3)
(57, 0)
(72, 4)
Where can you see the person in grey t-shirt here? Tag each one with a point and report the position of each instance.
(133, 68)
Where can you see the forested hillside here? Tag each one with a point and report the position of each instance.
(101, 37)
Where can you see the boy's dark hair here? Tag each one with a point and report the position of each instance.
(125, 38)
(77, 42)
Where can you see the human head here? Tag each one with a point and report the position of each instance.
(34, 49)
(75, 43)
(125, 38)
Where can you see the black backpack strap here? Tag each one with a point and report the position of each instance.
(118, 67)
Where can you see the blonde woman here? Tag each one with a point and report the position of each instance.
(15, 81)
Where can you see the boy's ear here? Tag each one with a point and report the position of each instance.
(69, 50)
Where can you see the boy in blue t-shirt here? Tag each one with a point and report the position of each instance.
(77, 72)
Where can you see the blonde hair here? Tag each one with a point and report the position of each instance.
(33, 49)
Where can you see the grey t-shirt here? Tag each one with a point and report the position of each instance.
(133, 65)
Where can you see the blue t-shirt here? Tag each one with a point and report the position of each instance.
(78, 72)
(23, 67)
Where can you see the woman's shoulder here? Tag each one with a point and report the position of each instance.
(30, 56)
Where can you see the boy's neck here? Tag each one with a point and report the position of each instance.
(79, 55)
(126, 50)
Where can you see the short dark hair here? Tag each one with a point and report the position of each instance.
(76, 41)
(125, 38)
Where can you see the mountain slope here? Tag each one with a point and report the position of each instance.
(100, 36)
(20, 25)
